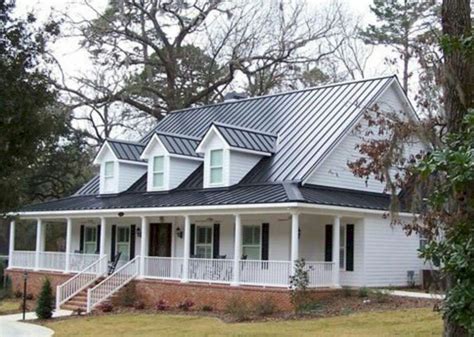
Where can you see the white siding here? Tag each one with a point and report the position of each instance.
(129, 174)
(180, 169)
(240, 165)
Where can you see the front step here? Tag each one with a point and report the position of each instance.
(80, 300)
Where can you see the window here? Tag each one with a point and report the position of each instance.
(423, 241)
(90, 240)
(342, 247)
(109, 175)
(251, 242)
(216, 166)
(123, 242)
(204, 242)
(158, 171)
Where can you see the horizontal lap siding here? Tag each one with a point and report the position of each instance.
(240, 165)
(180, 169)
(129, 174)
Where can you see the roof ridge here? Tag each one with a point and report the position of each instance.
(131, 142)
(348, 190)
(242, 128)
(177, 135)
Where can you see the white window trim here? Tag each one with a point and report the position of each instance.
(343, 248)
(158, 172)
(253, 246)
(88, 242)
(196, 244)
(117, 241)
(108, 178)
(221, 182)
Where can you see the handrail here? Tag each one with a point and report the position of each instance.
(80, 281)
(113, 283)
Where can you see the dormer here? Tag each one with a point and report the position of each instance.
(230, 152)
(120, 165)
(171, 159)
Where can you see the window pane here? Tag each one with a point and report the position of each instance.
(90, 234)
(216, 158)
(251, 235)
(342, 257)
(158, 164)
(89, 248)
(158, 179)
(216, 175)
(253, 253)
(109, 169)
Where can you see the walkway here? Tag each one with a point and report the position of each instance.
(11, 327)
(415, 294)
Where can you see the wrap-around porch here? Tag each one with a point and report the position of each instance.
(235, 249)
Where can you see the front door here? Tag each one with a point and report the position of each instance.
(160, 239)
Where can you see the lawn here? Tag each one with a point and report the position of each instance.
(9, 306)
(407, 323)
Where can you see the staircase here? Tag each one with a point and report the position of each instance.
(79, 301)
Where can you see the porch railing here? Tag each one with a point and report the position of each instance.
(23, 259)
(320, 274)
(265, 273)
(80, 281)
(113, 283)
(52, 261)
(55, 261)
(170, 268)
(211, 270)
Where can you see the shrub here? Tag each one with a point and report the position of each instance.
(238, 309)
(363, 292)
(139, 305)
(207, 307)
(18, 294)
(299, 282)
(105, 307)
(265, 307)
(45, 304)
(380, 296)
(162, 305)
(7, 287)
(311, 307)
(30, 297)
(186, 305)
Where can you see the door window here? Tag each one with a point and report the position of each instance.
(90, 240)
(204, 242)
(123, 242)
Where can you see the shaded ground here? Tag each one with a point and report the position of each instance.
(13, 306)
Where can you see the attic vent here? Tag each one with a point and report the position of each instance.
(233, 95)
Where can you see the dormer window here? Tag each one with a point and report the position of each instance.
(109, 182)
(216, 167)
(158, 172)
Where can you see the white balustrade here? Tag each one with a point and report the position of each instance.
(113, 283)
(265, 273)
(55, 261)
(79, 262)
(211, 270)
(81, 281)
(23, 259)
(163, 267)
(320, 273)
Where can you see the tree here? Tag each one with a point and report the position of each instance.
(436, 183)
(400, 25)
(45, 303)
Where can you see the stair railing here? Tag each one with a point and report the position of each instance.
(80, 281)
(113, 283)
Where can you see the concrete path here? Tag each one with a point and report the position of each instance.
(414, 294)
(11, 327)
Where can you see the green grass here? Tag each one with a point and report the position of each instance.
(406, 323)
(9, 306)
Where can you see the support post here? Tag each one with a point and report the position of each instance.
(336, 229)
(237, 250)
(295, 225)
(186, 250)
(11, 247)
(143, 246)
(39, 239)
(67, 267)
(103, 231)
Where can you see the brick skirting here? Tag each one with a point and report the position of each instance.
(35, 280)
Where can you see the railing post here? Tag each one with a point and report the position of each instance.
(11, 247)
(186, 248)
(295, 225)
(67, 266)
(144, 246)
(237, 251)
(336, 228)
(58, 299)
(88, 307)
(39, 233)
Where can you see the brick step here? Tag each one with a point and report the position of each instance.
(73, 307)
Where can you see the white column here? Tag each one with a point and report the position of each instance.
(237, 250)
(39, 240)
(143, 246)
(11, 247)
(67, 267)
(336, 228)
(186, 248)
(295, 225)
(103, 231)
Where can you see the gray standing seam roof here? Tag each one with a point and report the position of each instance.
(179, 144)
(245, 138)
(126, 150)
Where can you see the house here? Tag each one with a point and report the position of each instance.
(225, 198)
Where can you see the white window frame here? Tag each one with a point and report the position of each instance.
(155, 171)
(117, 243)
(86, 228)
(107, 178)
(342, 247)
(221, 167)
(252, 245)
(196, 244)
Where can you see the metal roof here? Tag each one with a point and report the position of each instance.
(309, 123)
(246, 138)
(91, 187)
(179, 144)
(126, 150)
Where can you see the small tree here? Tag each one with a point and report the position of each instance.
(299, 282)
(45, 303)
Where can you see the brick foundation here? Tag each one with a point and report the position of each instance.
(35, 280)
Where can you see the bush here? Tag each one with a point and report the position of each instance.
(380, 296)
(299, 285)
(30, 297)
(7, 287)
(363, 292)
(311, 307)
(186, 305)
(105, 307)
(207, 307)
(266, 307)
(45, 304)
(162, 305)
(238, 309)
(18, 294)
(139, 305)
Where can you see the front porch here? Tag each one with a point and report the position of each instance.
(255, 249)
